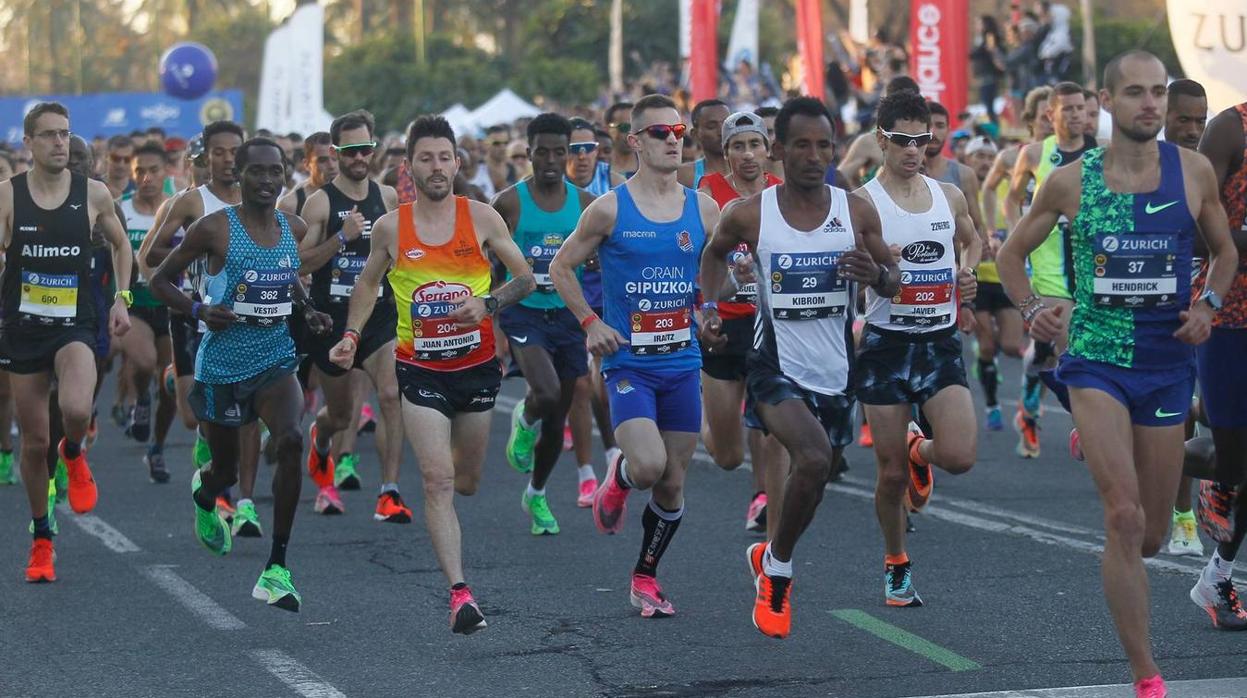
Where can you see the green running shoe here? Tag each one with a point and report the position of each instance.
(537, 506)
(520, 444)
(210, 528)
(344, 475)
(51, 511)
(246, 523)
(62, 480)
(274, 588)
(6, 469)
(201, 455)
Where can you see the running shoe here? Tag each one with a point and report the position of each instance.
(367, 419)
(93, 431)
(1220, 601)
(391, 509)
(610, 502)
(755, 517)
(520, 443)
(225, 508)
(328, 502)
(1184, 539)
(1075, 446)
(320, 467)
(52, 525)
(1028, 434)
(995, 420)
(538, 507)
(584, 499)
(1153, 687)
(344, 475)
(1032, 393)
(210, 526)
(7, 476)
(864, 438)
(275, 589)
(772, 607)
(755, 553)
(1213, 509)
(921, 477)
(156, 470)
(465, 616)
(81, 486)
(39, 568)
(567, 437)
(140, 426)
(201, 453)
(246, 523)
(61, 478)
(898, 587)
(647, 595)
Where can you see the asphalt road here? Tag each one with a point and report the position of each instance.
(1005, 558)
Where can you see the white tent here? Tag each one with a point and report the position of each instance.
(503, 108)
(460, 119)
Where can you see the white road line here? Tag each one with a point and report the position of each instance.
(115, 540)
(193, 599)
(297, 677)
(1203, 688)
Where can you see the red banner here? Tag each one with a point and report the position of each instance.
(810, 46)
(939, 51)
(703, 73)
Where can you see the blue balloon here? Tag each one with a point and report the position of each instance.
(188, 70)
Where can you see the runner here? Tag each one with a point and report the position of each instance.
(774, 166)
(1050, 264)
(49, 315)
(799, 369)
(1223, 511)
(707, 117)
(622, 159)
(501, 172)
(583, 168)
(911, 355)
(322, 167)
(1129, 368)
(447, 374)
(340, 217)
(118, 168)
(723, 366)
(864, 157)
(245, 366)
(648, 234)
(944, 169)
(547, 344)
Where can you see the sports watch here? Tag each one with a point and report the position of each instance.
(127, 296)
(491, 304)
(1213, 299)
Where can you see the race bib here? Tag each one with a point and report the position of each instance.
(1135, 270)
(262, 298)
(805, 286)
(346, 269)
(924, 299)
(539, 257)
(49, 295)
(660, 325)
(434, 337)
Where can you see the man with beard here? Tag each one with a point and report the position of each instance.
(708, 116)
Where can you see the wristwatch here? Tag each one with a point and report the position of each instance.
(126, 296)
(491, 304)
(1213, 299)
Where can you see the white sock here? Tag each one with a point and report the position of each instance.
(623, 474)
(585, 473)
(1218, 570)
(775, 568)
(532, 492)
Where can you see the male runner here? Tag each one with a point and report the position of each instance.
(322, 167)
(1050, 264)
(774, 166)
(944, 169)
(246, 361)
(707, 117)
(501, 172)
(911, 355)
(1223, 511)
(546, 341)
(433, 254)
(49, 313)
(648, 234)
(810, 241)
(622, 159)
(340, 216)
(864, 157)
(748, 147)
(118, 166)
(1092, 98)
(1136, 207)
(583, 164)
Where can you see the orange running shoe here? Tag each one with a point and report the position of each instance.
(772, 608)
(1213, 509)
(864, 439)
(755, 553)
(318, 466)
(39, 568)
(1028, 433)
(82, 492)
(391, 509)
(921, 477)
(225, 508)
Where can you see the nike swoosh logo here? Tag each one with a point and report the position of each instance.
(75, 206)
(521, 340)
(1149, 209)
(1161, 414)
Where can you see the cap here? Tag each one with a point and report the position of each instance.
(980, 143)
(743, 122)
(960, 134)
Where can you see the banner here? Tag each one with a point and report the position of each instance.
(119, 113)
(292, 76)
(743, 46)
(810, 47)
(686, 28)
(703, 57)
(1210, 37)
(939, 51)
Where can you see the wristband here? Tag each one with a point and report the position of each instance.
(710, 305)
(351, 335)
(593, 317)
(1029, 314)
(1028, 301)
(195, 310)
(341, 241)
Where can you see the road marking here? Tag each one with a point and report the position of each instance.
(905, 640)
(1203, 688)
(193, 599)
(115, 540)
(299, 678)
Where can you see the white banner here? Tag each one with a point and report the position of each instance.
(686, 29)
(743, 45)
(1210, 37)
(859, 21)
(292, 77)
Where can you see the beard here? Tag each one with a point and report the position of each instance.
(1139, 135)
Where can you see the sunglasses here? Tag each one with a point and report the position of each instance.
(622, 126)
(907, 140)
(360, 149)
(661, 132)
(582, 147)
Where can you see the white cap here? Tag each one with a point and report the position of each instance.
(980, 143)
(743, 122)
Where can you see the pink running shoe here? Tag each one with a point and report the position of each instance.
(465, 616)
(328, 502)
(755, 518)
(610, 502)
(1075, 446)
(587, 489)
(1153, 687)
(367, 419)
(647, 596)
